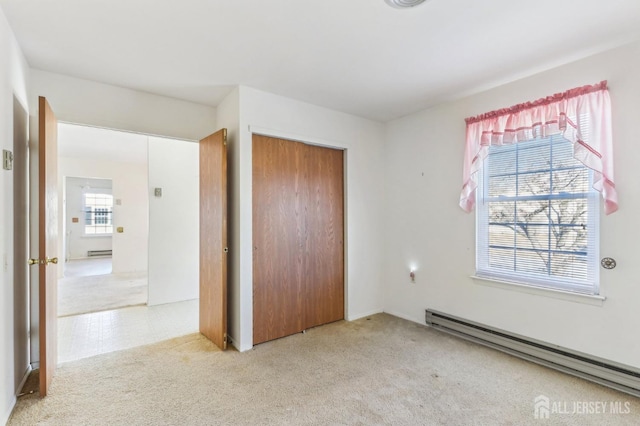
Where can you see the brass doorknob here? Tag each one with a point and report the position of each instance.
(33, 261)
(52, 260)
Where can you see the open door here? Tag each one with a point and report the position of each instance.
(213, 238)
(47, 240)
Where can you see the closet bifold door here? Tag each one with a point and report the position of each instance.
(323, 275)
(298, 229)
(277, 231)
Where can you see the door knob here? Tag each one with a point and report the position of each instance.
(52, 260)
(33, 261)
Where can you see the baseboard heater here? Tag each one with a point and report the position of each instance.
(617, 376)
(93, 253)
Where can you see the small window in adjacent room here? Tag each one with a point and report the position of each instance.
(98, 214)
(537, 216)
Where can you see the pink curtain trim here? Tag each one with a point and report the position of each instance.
(542, 118)
(571, 93)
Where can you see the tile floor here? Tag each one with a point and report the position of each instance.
(87, 335)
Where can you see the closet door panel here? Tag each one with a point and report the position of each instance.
(277, 235)
(323, 280)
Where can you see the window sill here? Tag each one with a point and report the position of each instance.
(589, 299)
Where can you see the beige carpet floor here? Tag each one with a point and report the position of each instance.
(81, 295)
(377, 370)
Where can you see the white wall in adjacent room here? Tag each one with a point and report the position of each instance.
(173, 221)
(425, 228)
(129, 185)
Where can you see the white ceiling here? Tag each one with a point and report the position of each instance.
(85, 142)
(357, 56)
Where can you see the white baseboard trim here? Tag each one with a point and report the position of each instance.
(5, 419)
(405, 317)
(364, 314)
(35, 365)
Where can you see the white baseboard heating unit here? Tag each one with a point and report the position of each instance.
(617, 376)
(93, 253)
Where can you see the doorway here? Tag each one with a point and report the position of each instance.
(112, 241)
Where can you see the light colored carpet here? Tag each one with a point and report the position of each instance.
(80, 295)
(380, 370)
(91, 266)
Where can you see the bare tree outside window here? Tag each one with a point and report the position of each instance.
(537, 199)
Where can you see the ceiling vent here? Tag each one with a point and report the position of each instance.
(403, 4)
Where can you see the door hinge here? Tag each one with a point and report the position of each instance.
(224, 342)
(224, 136)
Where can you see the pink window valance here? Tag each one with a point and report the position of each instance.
(581, 115)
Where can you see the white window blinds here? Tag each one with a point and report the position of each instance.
(537, 217)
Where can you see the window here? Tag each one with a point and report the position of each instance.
(98, 214)
(537, 171)
(537, 216)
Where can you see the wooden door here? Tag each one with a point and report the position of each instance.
(278, 227)
(323, 278)
(213, 238)
(47, 240)
(298, 259)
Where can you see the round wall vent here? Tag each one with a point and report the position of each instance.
(402, 4)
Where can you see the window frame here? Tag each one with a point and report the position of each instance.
(588, 286)
(85, 206)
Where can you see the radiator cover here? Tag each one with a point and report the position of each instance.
(614, 375)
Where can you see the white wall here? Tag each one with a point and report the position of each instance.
(425, 227)
(173, 221)
(76, 243)
(363, 141)
(86, 102)
(129, 185)
(13, 81)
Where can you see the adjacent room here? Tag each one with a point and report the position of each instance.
(103, 281)
(319, 212)
(103, 266)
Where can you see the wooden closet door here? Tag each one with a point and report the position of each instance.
(323, 280)
(298, 228)
(278, 258)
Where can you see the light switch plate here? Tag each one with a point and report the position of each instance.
(158, 192)
(7, 160)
